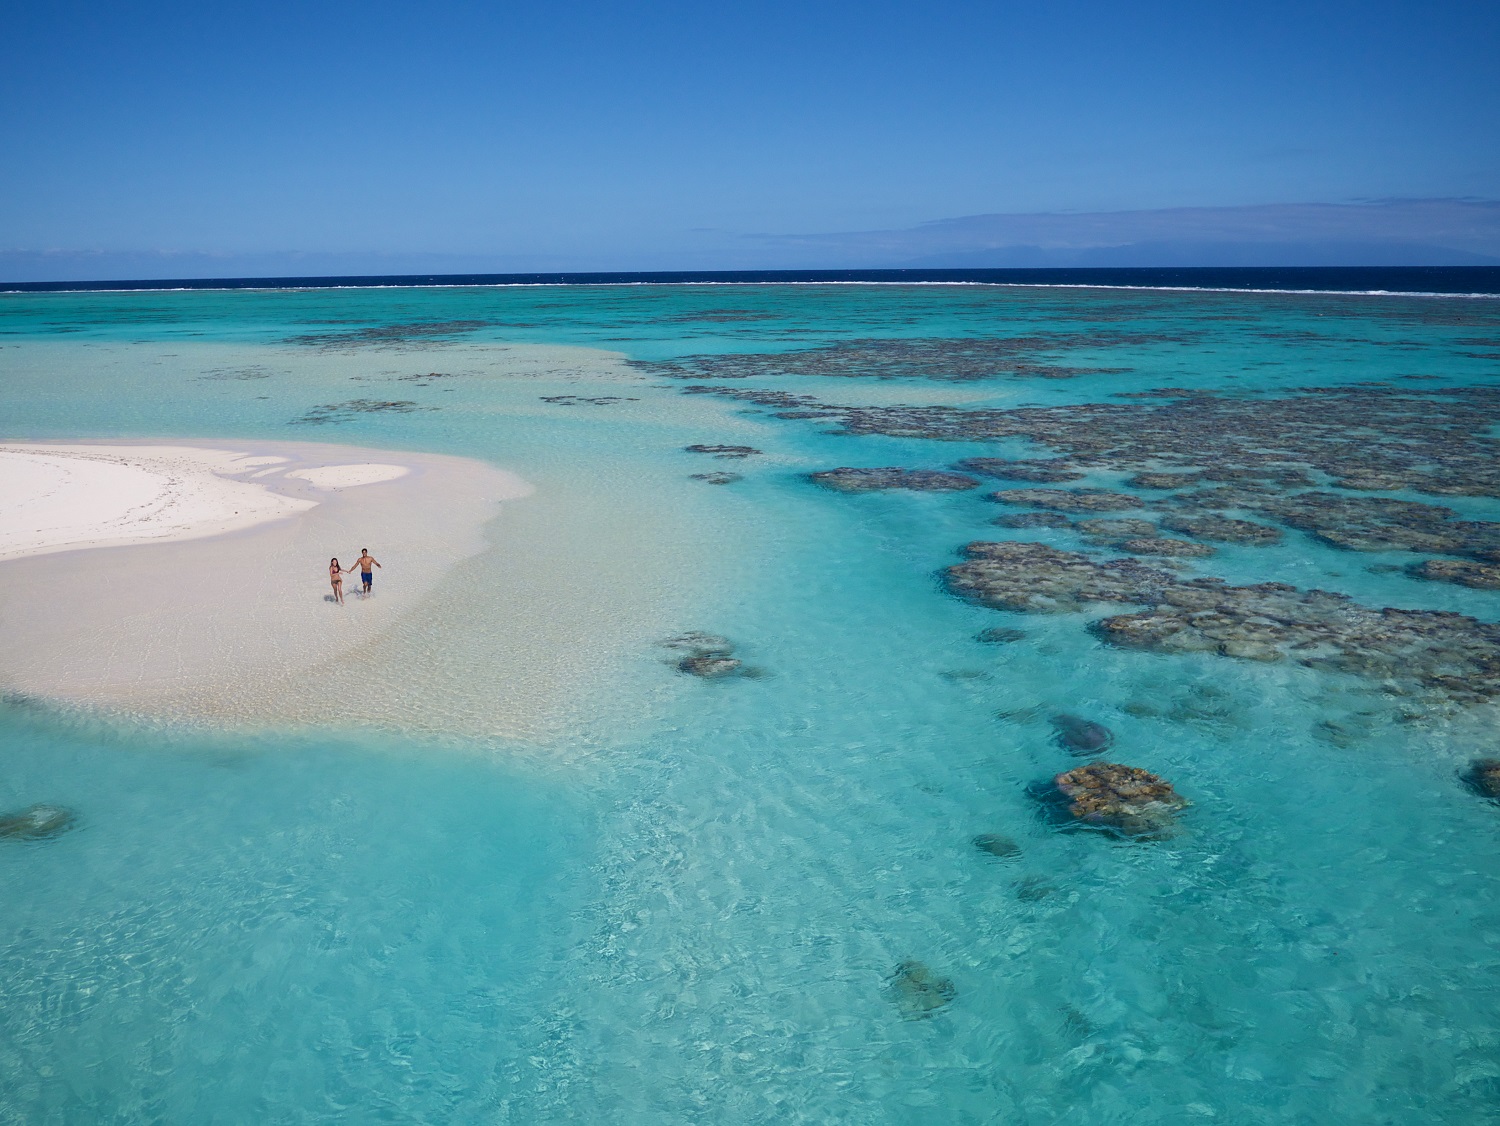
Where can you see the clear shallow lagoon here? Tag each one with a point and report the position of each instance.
(686, 906)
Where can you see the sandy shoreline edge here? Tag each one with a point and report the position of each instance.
(190, 576)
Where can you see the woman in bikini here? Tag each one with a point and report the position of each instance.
(336, 577)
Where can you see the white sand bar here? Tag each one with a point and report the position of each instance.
(56, 498)
(191, 577)
(349, 476)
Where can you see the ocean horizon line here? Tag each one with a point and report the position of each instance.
(1391, 281)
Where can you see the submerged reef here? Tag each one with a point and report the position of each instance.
(1436, 441)
(1236, 469)
(587, 400)
(1123, 799)
(1041, 469)
(1222, 529)
(1455, 655)
(848, 480)
(725, 452)
(1162, 545)
(1035, 578)
(1033, 520)
(426, 331)
(997, 845)
(1215, 459)
(1480, 576)
(918, 991)
(1079, 736)
(36, 822)
(1483, 777)
(718, 478)
(709, 667)
(962, 359)
(1069, 500)
(1114, 530)
(706, 655)
(345, 411)
(1000, 635)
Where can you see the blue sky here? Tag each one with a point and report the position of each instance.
(573, 134)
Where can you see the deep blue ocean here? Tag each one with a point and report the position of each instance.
(702, 900)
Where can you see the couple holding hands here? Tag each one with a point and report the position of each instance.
(336, 574)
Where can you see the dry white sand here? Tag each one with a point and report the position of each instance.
(191, 579)
(60, 497)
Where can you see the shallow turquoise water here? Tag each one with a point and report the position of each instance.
(694, 920)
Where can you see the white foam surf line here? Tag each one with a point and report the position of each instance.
(620, 284)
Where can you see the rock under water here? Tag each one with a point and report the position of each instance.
(1079, 736)
(707, 655)
(1483, 777)
(997, 845)
(728, 452)
(1123, 799)
(919, 992)
(36, 822)
(709, 667)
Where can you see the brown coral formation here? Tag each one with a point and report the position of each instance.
(1069, 500)
(1360, 523)
(1222, 529)
(1042, 470)
(1239, 470)
(1164, 480)
(849, 480)
(1163, 545)
(722, 452)
(1035, 578)
(1436, 441)
(1456, 655)
(1113, 530)
(960, 359)
(1032, 520)
(1123, 798)
(1483, 777)
(1480, 576)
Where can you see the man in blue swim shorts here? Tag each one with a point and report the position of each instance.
(366, 576)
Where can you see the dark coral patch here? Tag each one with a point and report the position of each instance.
(1483, 777)
(729, 452)
(1163, 545)
(1124, 799)
(850, 480)
(36, 823)
(1069, 500)
(1453, 654)
(1033, 520)
(1480, 576)
(1041, 470)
